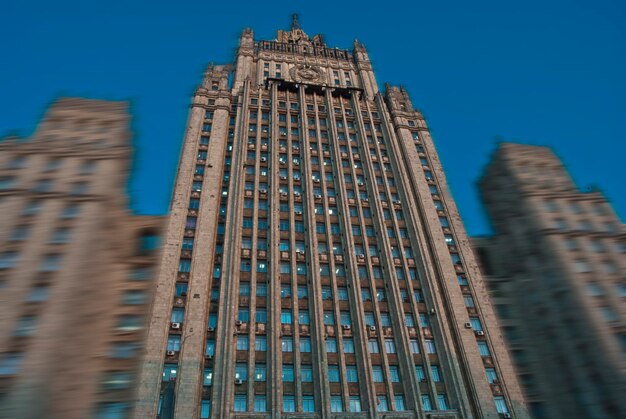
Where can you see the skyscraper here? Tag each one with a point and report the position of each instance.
(75, 265)
(314, 263)
(555, 267)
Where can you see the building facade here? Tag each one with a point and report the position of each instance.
(556, 270)
(314, 263)
(75, 266)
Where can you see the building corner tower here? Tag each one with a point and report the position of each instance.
(314, 264)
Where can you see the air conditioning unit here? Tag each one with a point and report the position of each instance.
(346, 327)
(283, 194)
(298, 212)
(316, 180)
(318, 196)
(479, 333)
(296, 193)
(183, 294)
(263, 190)
(209, 357)
(422, 380)
(210, 329)
(397, 202)
(505, 415)
(300, 252)
(372, 328)
(170, 353)
(263, 159)
(238, 381)
(468, 325)
(364, 199)
(361, 184)
(433, 311)
(283, 178)
(238, 323)
(175, 325)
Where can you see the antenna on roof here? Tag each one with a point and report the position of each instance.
(294, 22)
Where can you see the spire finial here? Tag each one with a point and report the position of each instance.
(294, 21)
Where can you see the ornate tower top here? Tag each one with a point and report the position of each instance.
(297, 36)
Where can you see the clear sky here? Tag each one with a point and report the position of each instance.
(549, 72)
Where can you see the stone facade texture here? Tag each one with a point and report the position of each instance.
(75, 266)
(555, 267)
(320, 261)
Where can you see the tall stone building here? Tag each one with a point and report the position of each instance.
(75, 266)
(315, 265)
(556, 268)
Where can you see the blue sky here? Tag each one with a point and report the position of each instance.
(540, 72)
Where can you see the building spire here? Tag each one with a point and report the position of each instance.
(294, 22)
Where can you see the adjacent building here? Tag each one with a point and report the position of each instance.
(556, 269)
(76, 266)
(314, 264)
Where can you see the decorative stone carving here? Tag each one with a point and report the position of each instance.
(305, 73)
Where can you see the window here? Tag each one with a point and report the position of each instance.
(241, 403)
(25, 326)
(483, 349)
(372, 346)
(241, 371)
(581, 266)
(288, 373)
(399, 402)
(210, 347)
(419, 373)
(289, 403)
(261, 315)
(355, 404)
(500, 404)
(169, 372)
(348, 345)
(129, 323)
(476, 325)
(50, 263)
(336, 404)
(430, 346)
(434, 373)
(260, 344)
(242, 343)
(331, 345)
(138, 297)
(287, 344)
(208, 376)
(333, 373)
(306, 372)
(382, 405)
(260, 403)
(442, 402)
(390, 346)
(329, 318)
(426, 403)
(308, 403)
(285, 317)
(352, 375)
(303, 317)
(243, 315)
(305, 345)
(8, 260)
(415, 349)
(173, 343)
(285, 290)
